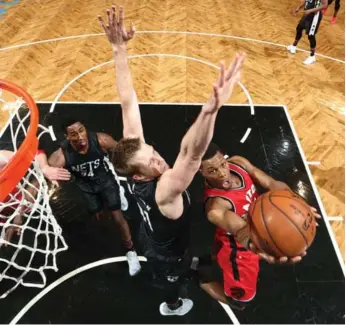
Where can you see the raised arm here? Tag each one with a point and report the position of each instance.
(118, 36)
(195, 142)
(259, 177)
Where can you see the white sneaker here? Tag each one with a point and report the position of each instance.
(292, 49)
(181, 311)
(133, 261)
(310, 60)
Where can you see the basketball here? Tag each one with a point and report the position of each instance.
(281, 224)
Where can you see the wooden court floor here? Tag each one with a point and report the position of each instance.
(45, 45)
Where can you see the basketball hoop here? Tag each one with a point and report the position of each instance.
(24, 198)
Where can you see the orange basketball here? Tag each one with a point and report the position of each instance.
(281, 223)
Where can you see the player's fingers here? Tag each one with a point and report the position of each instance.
(109, 18)
(232, 66)
(266, 257)
(132, 31)
(296, 259)
(114, 15)
(101, 22)
(222, 74)
(121, 16)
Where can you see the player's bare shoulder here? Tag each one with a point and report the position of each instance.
(57, 159)
(240, 161)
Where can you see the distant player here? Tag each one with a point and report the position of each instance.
(336, 10)
(159, 189)
(310, 22)
(84, 154)
(229, 190)
(16, 196)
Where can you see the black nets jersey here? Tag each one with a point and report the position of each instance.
(92, 170)
(310, 4)
(167, 237)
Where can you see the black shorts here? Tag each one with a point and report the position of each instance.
(107, 198)
(311, 23)
(164, 268)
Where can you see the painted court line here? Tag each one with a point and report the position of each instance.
(11, 47)
(314, 187)
(336, 218)
(314, 163)
(87, 267)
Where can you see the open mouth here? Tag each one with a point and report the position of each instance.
(226, 183)
(83, 143)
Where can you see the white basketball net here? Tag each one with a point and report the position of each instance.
(36, 238)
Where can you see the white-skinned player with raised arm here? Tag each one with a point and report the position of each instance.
(160, 190)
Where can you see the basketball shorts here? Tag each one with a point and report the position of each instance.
(168, 272)
(239, 267)
(311, 23)
(106, 198)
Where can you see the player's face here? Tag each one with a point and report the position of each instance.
(77, 135)
(149, 163)
(215, 170)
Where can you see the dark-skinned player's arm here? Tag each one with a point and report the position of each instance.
(106, 142)
(53, 173)
(57, 159)
(118, 36)
(300, 6)
(324, 5)
(258, 176)
(220, 213)
(195, 142)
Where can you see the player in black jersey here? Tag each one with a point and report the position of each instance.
(160, 190)
(309, 22)
(336, 10)
(84, 154)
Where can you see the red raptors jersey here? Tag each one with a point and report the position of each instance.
(240, 197)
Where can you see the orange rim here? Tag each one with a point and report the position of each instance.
(14, 171)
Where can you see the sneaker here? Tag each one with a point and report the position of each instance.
(310, 60)
(333, 20)
(181, 311)
(292, 49)
(133, 261)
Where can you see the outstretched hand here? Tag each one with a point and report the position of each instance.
(115, 29)
(222, 89)
(276, 260)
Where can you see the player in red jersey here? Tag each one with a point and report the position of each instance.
(229, 191)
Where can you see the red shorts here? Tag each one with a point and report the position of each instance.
(239, 266)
